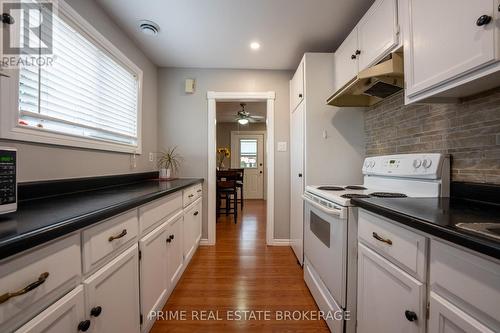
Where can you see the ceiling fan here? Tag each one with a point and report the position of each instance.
(243, 117)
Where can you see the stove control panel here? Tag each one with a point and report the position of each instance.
(8, 180)
(426, 166)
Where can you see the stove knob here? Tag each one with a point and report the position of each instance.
(417, 164)
(367, 163)
(427, 163)
(373, 164)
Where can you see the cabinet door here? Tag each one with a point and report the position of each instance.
(197, 220)
(297, 87)
(64, 316)
(115, 288)
(175, 255)
(387, 295)
(297, 181)
(377, 32)
(345, 60)
(153, 269)
(445, 317)
(445, 42)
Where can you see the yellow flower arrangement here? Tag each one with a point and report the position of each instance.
(222, 154)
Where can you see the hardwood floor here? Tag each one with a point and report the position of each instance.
(241, 273)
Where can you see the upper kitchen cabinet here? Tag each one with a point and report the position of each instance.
(448, 46)
(376, 34)
(297, 87)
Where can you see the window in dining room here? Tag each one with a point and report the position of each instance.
(248, 153)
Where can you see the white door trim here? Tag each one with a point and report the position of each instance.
(213, 97)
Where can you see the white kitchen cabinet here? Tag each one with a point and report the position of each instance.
(447, 49)
(445, 317)
(115, 290)
(153, 273)
(297, 87)
(345, 60)
(192, 229)
(297, 182)
(175, 255)
(67, 315)
(378, 32)
(389, 300)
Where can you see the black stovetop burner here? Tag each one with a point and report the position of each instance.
(355, 187)
(354, 195)
(330, 188)
(388, 195)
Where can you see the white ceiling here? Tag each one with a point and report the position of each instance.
(217, 33)
(226, 111)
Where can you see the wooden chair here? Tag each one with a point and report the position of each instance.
(227, 190)
(239, 184)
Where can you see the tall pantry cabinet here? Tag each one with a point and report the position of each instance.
(326, 143)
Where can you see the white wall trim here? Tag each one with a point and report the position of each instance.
(204, 242)
(280, 242)
(213, 97)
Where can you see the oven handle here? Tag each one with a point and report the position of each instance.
(336, 212)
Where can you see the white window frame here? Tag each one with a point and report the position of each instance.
(9, 97)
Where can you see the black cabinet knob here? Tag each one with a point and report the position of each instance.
(84, 325)
(410, 315)
(483, 20)
(300, 175)
(95, 311)
(171, 236)
(358, 52)
(196, 213)
(353, 57)
(7, 18)
(169, 240)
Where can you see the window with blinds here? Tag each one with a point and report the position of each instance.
(85, 92)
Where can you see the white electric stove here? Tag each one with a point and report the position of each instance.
(331, 227)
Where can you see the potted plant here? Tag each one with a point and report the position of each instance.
(168, 163)
(222, 154)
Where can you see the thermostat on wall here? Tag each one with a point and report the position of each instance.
(190, 85)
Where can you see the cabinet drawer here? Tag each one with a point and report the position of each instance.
(61, 317)
(108, 237)
(55, 267)
(153, 213)
(397, 244)
(191, 194)
(470, 281)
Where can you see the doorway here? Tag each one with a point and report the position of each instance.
(246, 152)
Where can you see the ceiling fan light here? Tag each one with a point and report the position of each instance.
(243, 121)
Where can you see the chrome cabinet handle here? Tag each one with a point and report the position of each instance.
(120, 235)
(380, 239)
(41, 279)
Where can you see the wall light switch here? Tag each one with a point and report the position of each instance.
(282, 146)
(151, 157)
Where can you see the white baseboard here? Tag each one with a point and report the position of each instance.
(280, 242)
(205, 242)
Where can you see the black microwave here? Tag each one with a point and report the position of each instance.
(8, 180)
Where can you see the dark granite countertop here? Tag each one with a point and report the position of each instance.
(40, 220)
(441, 217)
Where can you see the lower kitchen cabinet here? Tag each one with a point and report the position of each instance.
(175, 254)
(153, 273)
(389, 299)
(192, 228)
(65, 316)
(445, 317)
(112, 295)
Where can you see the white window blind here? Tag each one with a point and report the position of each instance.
(85, 93)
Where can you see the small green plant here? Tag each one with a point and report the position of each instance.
(170, 159)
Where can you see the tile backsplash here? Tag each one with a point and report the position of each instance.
(469, 131)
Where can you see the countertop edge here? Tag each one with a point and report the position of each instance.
(475, 243)
(37, 237)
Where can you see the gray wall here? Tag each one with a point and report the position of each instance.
(224, 132)
(183, 122)
(468, 131)
(42, 162)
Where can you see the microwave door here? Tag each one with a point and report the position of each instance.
(325, 246)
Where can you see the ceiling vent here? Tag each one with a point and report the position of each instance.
(149, 28)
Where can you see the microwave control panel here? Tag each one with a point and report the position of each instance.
(8, 180)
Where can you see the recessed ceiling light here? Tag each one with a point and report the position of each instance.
(254, 46)
(149, 28)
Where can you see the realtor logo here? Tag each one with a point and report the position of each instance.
(27, 28)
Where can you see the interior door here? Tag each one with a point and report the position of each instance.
(249, 155)
(297, 182)
(387, 296)
(445, 40)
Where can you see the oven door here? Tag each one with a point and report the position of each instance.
(325, 246)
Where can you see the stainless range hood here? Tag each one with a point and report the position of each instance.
(372, 85)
